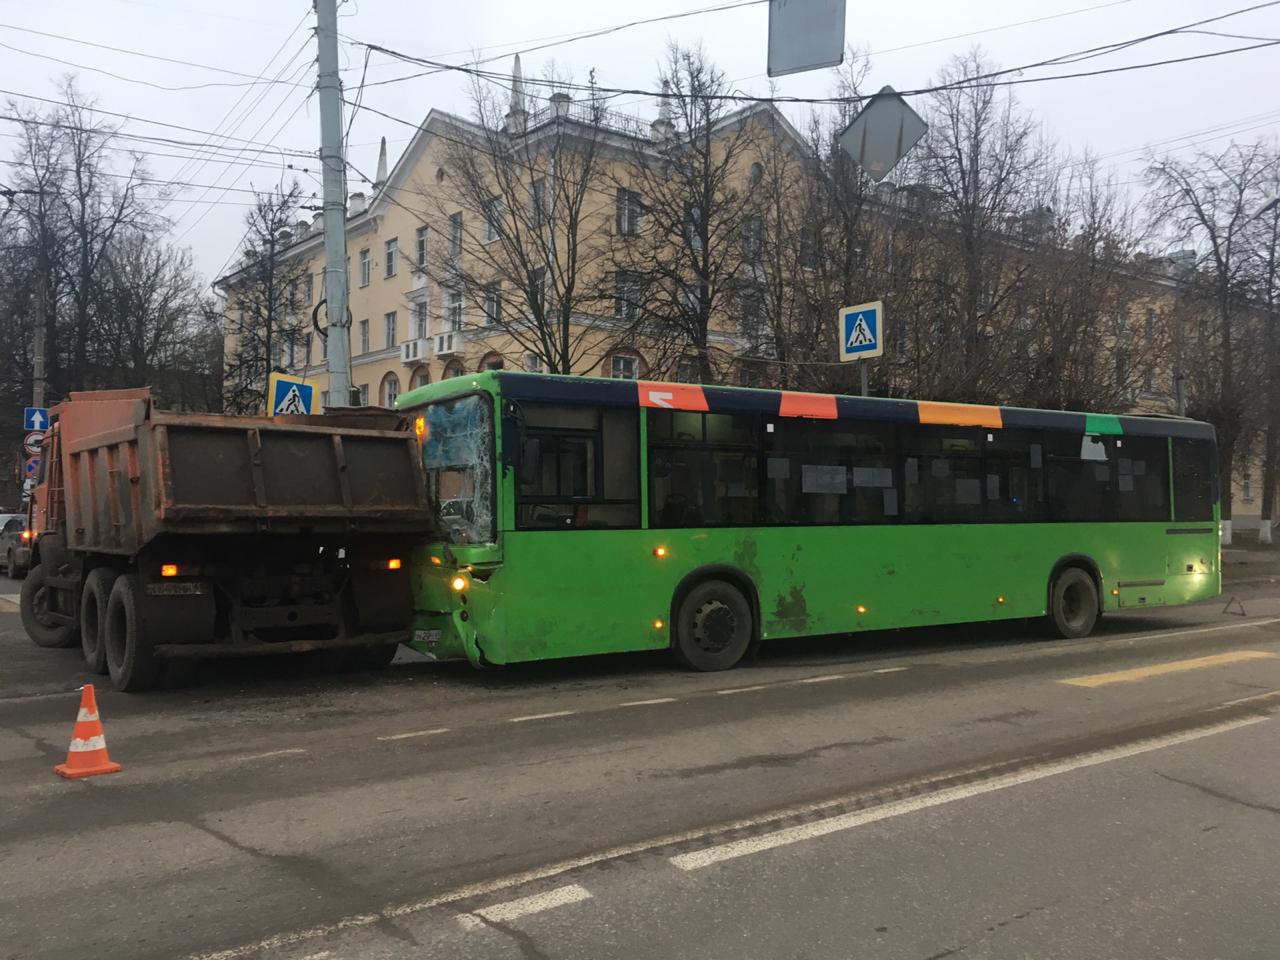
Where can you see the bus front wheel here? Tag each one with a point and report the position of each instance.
(713, 627)
(1073, 603)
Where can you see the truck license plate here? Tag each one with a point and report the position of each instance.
(177, 589)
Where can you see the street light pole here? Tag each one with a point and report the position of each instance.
(333, 165)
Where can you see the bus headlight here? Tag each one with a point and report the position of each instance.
(459, 583)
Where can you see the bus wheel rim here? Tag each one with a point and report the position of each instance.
(1073, 603)
(714, 626)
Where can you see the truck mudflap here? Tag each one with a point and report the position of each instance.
(259, 648)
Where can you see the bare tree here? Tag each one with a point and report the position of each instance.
(1263, 236)
(261, 300)
(1207, 201)
(518, 231)
(686, 266)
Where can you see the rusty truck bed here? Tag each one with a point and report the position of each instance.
(132, 473)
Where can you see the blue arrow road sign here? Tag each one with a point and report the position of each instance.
(862, 331)
(35, 418)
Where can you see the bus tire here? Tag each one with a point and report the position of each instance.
(713, 627)
(34, 606)
(93, 617)
(131, 659)
(1073, 603)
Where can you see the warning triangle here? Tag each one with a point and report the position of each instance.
(292, 402)
(860, 336)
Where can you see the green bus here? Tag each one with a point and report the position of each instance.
(582, 515)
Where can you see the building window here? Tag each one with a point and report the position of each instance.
(1149, 325)
(492, 219)
(364, 267)
(390, 251)
(627, 212)
(455, 235)
(533, 363)
(453, 308)
(627, 287)
(693, 226)
(538, 202)
(306, 349)
(420, 243)
(623, 367)
(750, 310)
(292, 350)
(390, 389)
(421, 378)
(538, 286)
(324, 400)
(308, 289)
(364, 394)
(493, 304)
(389, 325)
(364, 336)
(753, 239)
(1248, 488)
(452, 369)
(687, 370)
(492, 361)
(420, 322)
(324, 348)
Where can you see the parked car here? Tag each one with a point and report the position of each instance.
(15, 544)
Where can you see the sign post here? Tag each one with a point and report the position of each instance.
(861, 333)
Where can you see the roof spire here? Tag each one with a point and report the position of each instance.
(663, 128)
(380, 179)
(517, 115)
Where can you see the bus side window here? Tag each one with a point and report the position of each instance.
(1194, 474)
(942, 479)
(1080, 471)
(703, 470)
(1014, 482)
(1142, 479)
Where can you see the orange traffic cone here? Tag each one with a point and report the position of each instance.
(87, 755)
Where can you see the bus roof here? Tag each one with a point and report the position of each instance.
(788, 403)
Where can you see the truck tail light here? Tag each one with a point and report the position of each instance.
(168, 569)
(26, 534)
(393, 563)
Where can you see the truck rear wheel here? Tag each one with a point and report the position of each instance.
(93, 617)
(131, 659)
(34, 605)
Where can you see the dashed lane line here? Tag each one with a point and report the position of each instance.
(698, 859)
(273, 753)
(824, 678)
(1136, 674)
(525, 906)
(728, 691)
(648, 703)
(542, 716)
(416, 733)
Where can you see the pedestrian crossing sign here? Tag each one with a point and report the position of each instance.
(861, 331)
(290, 395)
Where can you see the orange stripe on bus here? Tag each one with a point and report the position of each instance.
(672, 396)
(960, 414)
(819, 406)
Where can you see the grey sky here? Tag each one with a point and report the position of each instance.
(1121, 112)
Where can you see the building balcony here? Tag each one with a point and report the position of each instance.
(451, 344)
(413, 352)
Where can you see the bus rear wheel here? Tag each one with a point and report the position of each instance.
(713, 627)
(1073, 603)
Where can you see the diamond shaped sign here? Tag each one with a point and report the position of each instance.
(882, 133)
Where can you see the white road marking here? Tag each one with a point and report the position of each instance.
(486, 888)
(515, 909)
(542, 716)
(647, 703)
(698, 859)
(273, 753)
(889, 670)
(415, 733)
(318, 956)
(752, 689)
(1256, 696)
(824, 678)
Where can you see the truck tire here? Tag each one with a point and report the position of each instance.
(1073, 604)
(131, 659)
(713, 627)
(93, 617)
(34, 605)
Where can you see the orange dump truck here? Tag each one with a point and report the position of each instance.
(159, 537)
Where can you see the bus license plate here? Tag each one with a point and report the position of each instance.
(426, 636)
(177, 589)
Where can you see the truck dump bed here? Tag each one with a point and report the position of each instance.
(131, 473)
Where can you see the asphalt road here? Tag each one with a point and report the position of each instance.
(964, 792)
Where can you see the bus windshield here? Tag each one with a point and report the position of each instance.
(457, 454)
